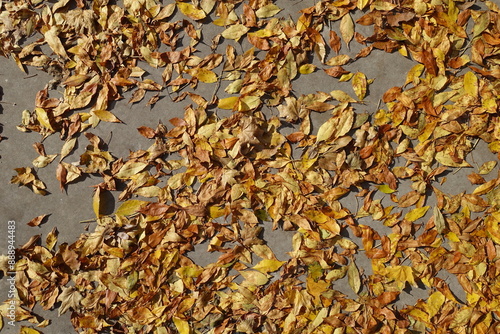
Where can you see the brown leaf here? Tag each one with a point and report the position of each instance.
(147, 132)
(335, 42)
(475, 178)
(38, 220)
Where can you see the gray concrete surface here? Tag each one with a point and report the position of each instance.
(68, 208)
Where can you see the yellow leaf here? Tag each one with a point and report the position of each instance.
(43, 161)
(353, 277)
(434, 303)
(385, 189)
(359, 85)
(130, 207)
(267, 11)
(307, 69)
(28, 330)
(461, 318)
(165, 12)
(341, 96)
(485, 187)
(383, 5)
(76, 80)
(235, 31)
(419, 315)
(470, 84)
(347, 28)
(487, 167)
(182, 326)
(106, 116)
(191, 11)
(96, 202)
(248, 103)
(268, 265)
(68, 146)
(401, 273)
(228, 103)
(207, 5)
(345, 122)
(416, 213)
(206, 76)
(444, 158)
(346, 77)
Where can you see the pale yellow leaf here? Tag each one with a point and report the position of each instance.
(401, 273)
(235, 31)
(267, 11)
(487, 167)
(96, 202)
(68, 146)
(353, 277)
(341, 96)
(43, 161)
(434, 303)
(444, 158)
(52, 38)
(248, 103)
(326, 130)
(253, 277)
(130, 168)
(347, 28)
(485, 187)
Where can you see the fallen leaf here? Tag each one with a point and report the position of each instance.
(191, 11)
(347, 28)
(267, 11)
(37, 221)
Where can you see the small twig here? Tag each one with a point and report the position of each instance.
(168, 93)
(10, 103)
(472, 153)
(217, 86)
(30, 76)
(109, 138)
(88, 221)
(466, 47)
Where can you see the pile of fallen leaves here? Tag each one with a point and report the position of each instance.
(226, 177)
